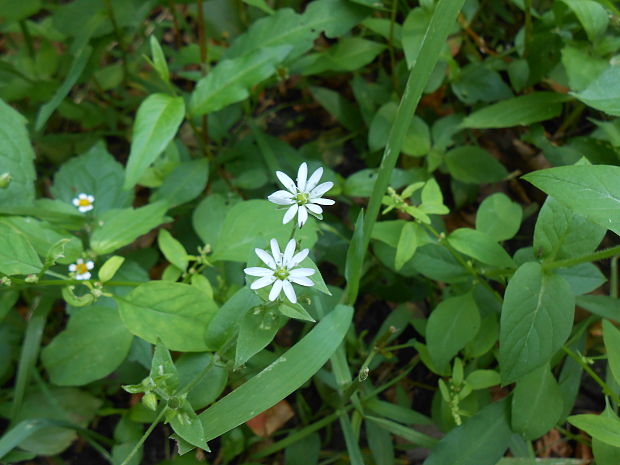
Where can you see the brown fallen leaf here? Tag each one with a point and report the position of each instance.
(271, 420)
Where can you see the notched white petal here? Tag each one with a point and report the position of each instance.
(302, 216)
(288, 253)
(299, 257)
(275, 290)
(314, 208)
(266, 258)
(314, 179)
(281, 198)
(302, 175)
(321, 201)
(286, 181)
(290, 213)
(289, 291)
(262, 282)
(321, 189)
(258, 271)
(299, 272)
(302, 281)
(275, 251)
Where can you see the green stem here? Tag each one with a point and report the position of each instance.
(27, 38)
(613, 279)
(391, 45)
(592, 257)
(580, 360)
(189, 386)
(119, 38)
(144, 436)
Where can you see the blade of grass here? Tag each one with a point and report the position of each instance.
(441, 22)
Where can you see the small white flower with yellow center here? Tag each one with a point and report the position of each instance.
(303, 197)
(84, 202)
(281, 272)
(80, 269)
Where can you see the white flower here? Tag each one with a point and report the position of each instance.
(84, 202)
(281, 272)
(303, 197)
(80, 269)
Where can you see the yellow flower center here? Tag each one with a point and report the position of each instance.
(84, 203)
(81, 268)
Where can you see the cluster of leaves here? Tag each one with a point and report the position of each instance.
(451, 338)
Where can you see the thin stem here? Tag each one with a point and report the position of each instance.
(27, 38)
(144, 437)
(119, 38)
(580, 360)
(613, 279)
(592, 257)
(391, 45)
(189, 386)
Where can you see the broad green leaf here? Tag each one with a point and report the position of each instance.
(417, 139)
(80, 60)
(257, 328)
(480, 440)
(95, 173)
(172, 249)
(118, 228)
(260, 4)
(536, 403)
(517, 111)
(474, 165)
(338, 106)
(184, 183)
(593, 191)
(43, 236)
(592, 15)
(16, 11)
(451, 325)
(405, 432)
(159, 59)
(16, 158)
(286, 374)
(176, 313)
(480, 246)
(17, 256)
(347, 54)
(208, 216)
(561, 233)
(407, 244)
(230, 80)
(396, 412)
(207, 390)
(157, 121)
(581, 67)
(605, 428)
(604, 453)
(483, 379)
(355, 259)
(110, 267)
(537, 316)
(92, 346)
(478, 83)
(611, 337)
(253, 221)
(436, 262)
(601, 305)
(499, 217)
(603, 93)
(582, 278)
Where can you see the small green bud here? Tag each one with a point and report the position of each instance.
(32, 279)
(6, 281)
(5, 180)
(150, 401)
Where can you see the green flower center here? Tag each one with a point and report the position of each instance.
(301, 198)
(281, 273)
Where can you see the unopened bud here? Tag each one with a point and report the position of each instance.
(150, 401)
(6, 281)
(5, 180)
(32, 278)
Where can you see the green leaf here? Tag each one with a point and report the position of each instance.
(478, 245)
(286, 374)
(480, 440)
(603, 93)
(92, 346)
(253, 221)
(451, 325)
(601, 305)
(230, 80)
(605, 428)
(483, 379)
(582, 278)
(96, 173)
(157, 121)
(581, 67)
(477, 83)
(172, 249)
(499, 217)
(404, 432)
(604, 453)
(407, 244)
(16, 158)
(348, 54)
(536, 403)
(537, 316)
(17, 256)
(208, 216)
(338, 106)
(118, 228)
(189, 365)
(611, 337)
(561, 233)
(593, 191)
(16, 11)
(176, 313)
(110, 267)
(257, 328)
(159, 59)
(184, 183)
(592, 16)
(522, 110)
(355, 259)
(474, 165)
(396, 412)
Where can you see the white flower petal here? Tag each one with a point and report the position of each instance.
(83, 276)
(262, 282)
(275, 290)
(90, 198)
(321, 189)
(281, 198)
(83, 196)
(79, 261)
(302, 175)
(289, 291)
(302, 216)
(275, 251)
(288, 253)
(301, 280)
(298, 258)
(72, 267)
(290, 213)
(314, 208)
(314, 179)
(89, 265)
(300, 272)
(287, 182)
(76, 202)
(320, 201)
(258, 271)
(266, 258)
